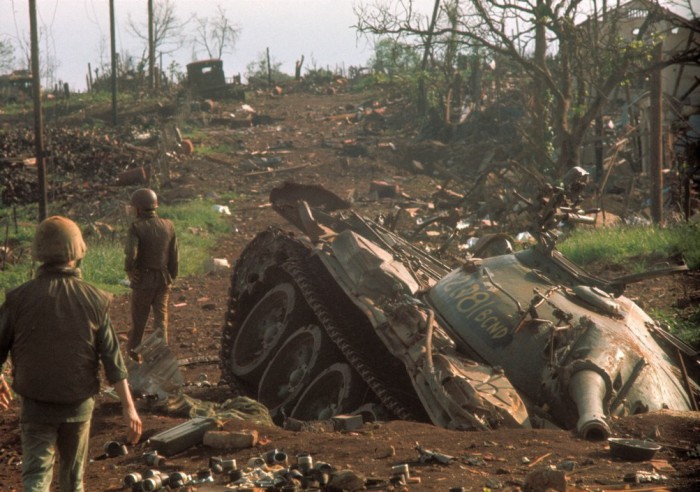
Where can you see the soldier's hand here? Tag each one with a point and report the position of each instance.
(133, 421)
(134, 276)
(5, 393)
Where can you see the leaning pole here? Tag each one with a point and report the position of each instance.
(38, 120)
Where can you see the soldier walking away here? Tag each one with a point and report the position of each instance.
(152, 263)
(57, 330)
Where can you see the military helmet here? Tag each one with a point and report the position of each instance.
(144, 199)
(58, 240)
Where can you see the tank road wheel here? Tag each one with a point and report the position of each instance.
(291, 369)
(262, 256)
(336, 390)
(278, 312)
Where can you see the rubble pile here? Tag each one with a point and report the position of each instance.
(78, 159)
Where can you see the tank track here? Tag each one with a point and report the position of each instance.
(274, 249)
(299, 271)
(268, 249)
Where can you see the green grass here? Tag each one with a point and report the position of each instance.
(13, 109)
(687, 330)
(103, 265)
(198, 228)
(205, 149)
(626, 246)
(193, 133)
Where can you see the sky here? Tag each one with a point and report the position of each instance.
(76, 32)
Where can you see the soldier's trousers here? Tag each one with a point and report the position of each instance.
(142, 301)
(39, 445)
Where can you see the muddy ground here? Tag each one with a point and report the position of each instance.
(310, 133)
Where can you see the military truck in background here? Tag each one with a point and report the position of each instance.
(15, 87)
(206, 80)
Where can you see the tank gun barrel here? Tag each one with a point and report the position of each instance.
(588, 390)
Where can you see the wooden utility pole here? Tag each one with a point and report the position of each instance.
(113, 38)
(89, 76)
(656, 139)
(269, 69)
(38, 120)
(151, 49)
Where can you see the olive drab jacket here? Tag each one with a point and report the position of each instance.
(57, 329)
(151, 251)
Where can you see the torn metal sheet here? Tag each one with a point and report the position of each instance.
(158, 375)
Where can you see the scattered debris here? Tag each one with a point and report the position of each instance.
(221, 209)
(644, 477)
(221, 439)
(382, 189)
(220, 264)
(80, 162)
(158, 375)
(427, 456)
(632, 449)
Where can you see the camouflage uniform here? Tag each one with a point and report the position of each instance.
(152, 262)
(57, 329)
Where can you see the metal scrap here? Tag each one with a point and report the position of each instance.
(426, 456)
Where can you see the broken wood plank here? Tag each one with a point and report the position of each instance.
(219, 160)
(143, 150)
(530, 465)
(281, 170)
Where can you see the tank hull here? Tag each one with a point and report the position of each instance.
(350, 318)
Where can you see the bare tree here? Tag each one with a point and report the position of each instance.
(49, 64)
(217, 35)
(7, 55)
(168, 29)
(570, 51)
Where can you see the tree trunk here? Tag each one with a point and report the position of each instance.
(656, 140)
(151, 48)
(539, 123)
(297, 68)
(599, 133)
(422, 95)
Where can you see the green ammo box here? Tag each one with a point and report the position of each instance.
(183, 436)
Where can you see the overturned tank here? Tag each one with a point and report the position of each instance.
(351, 318)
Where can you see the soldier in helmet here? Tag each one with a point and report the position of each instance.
(152, 263)
(57, 329)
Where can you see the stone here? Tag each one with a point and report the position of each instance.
(544, 479)
(347, 480)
